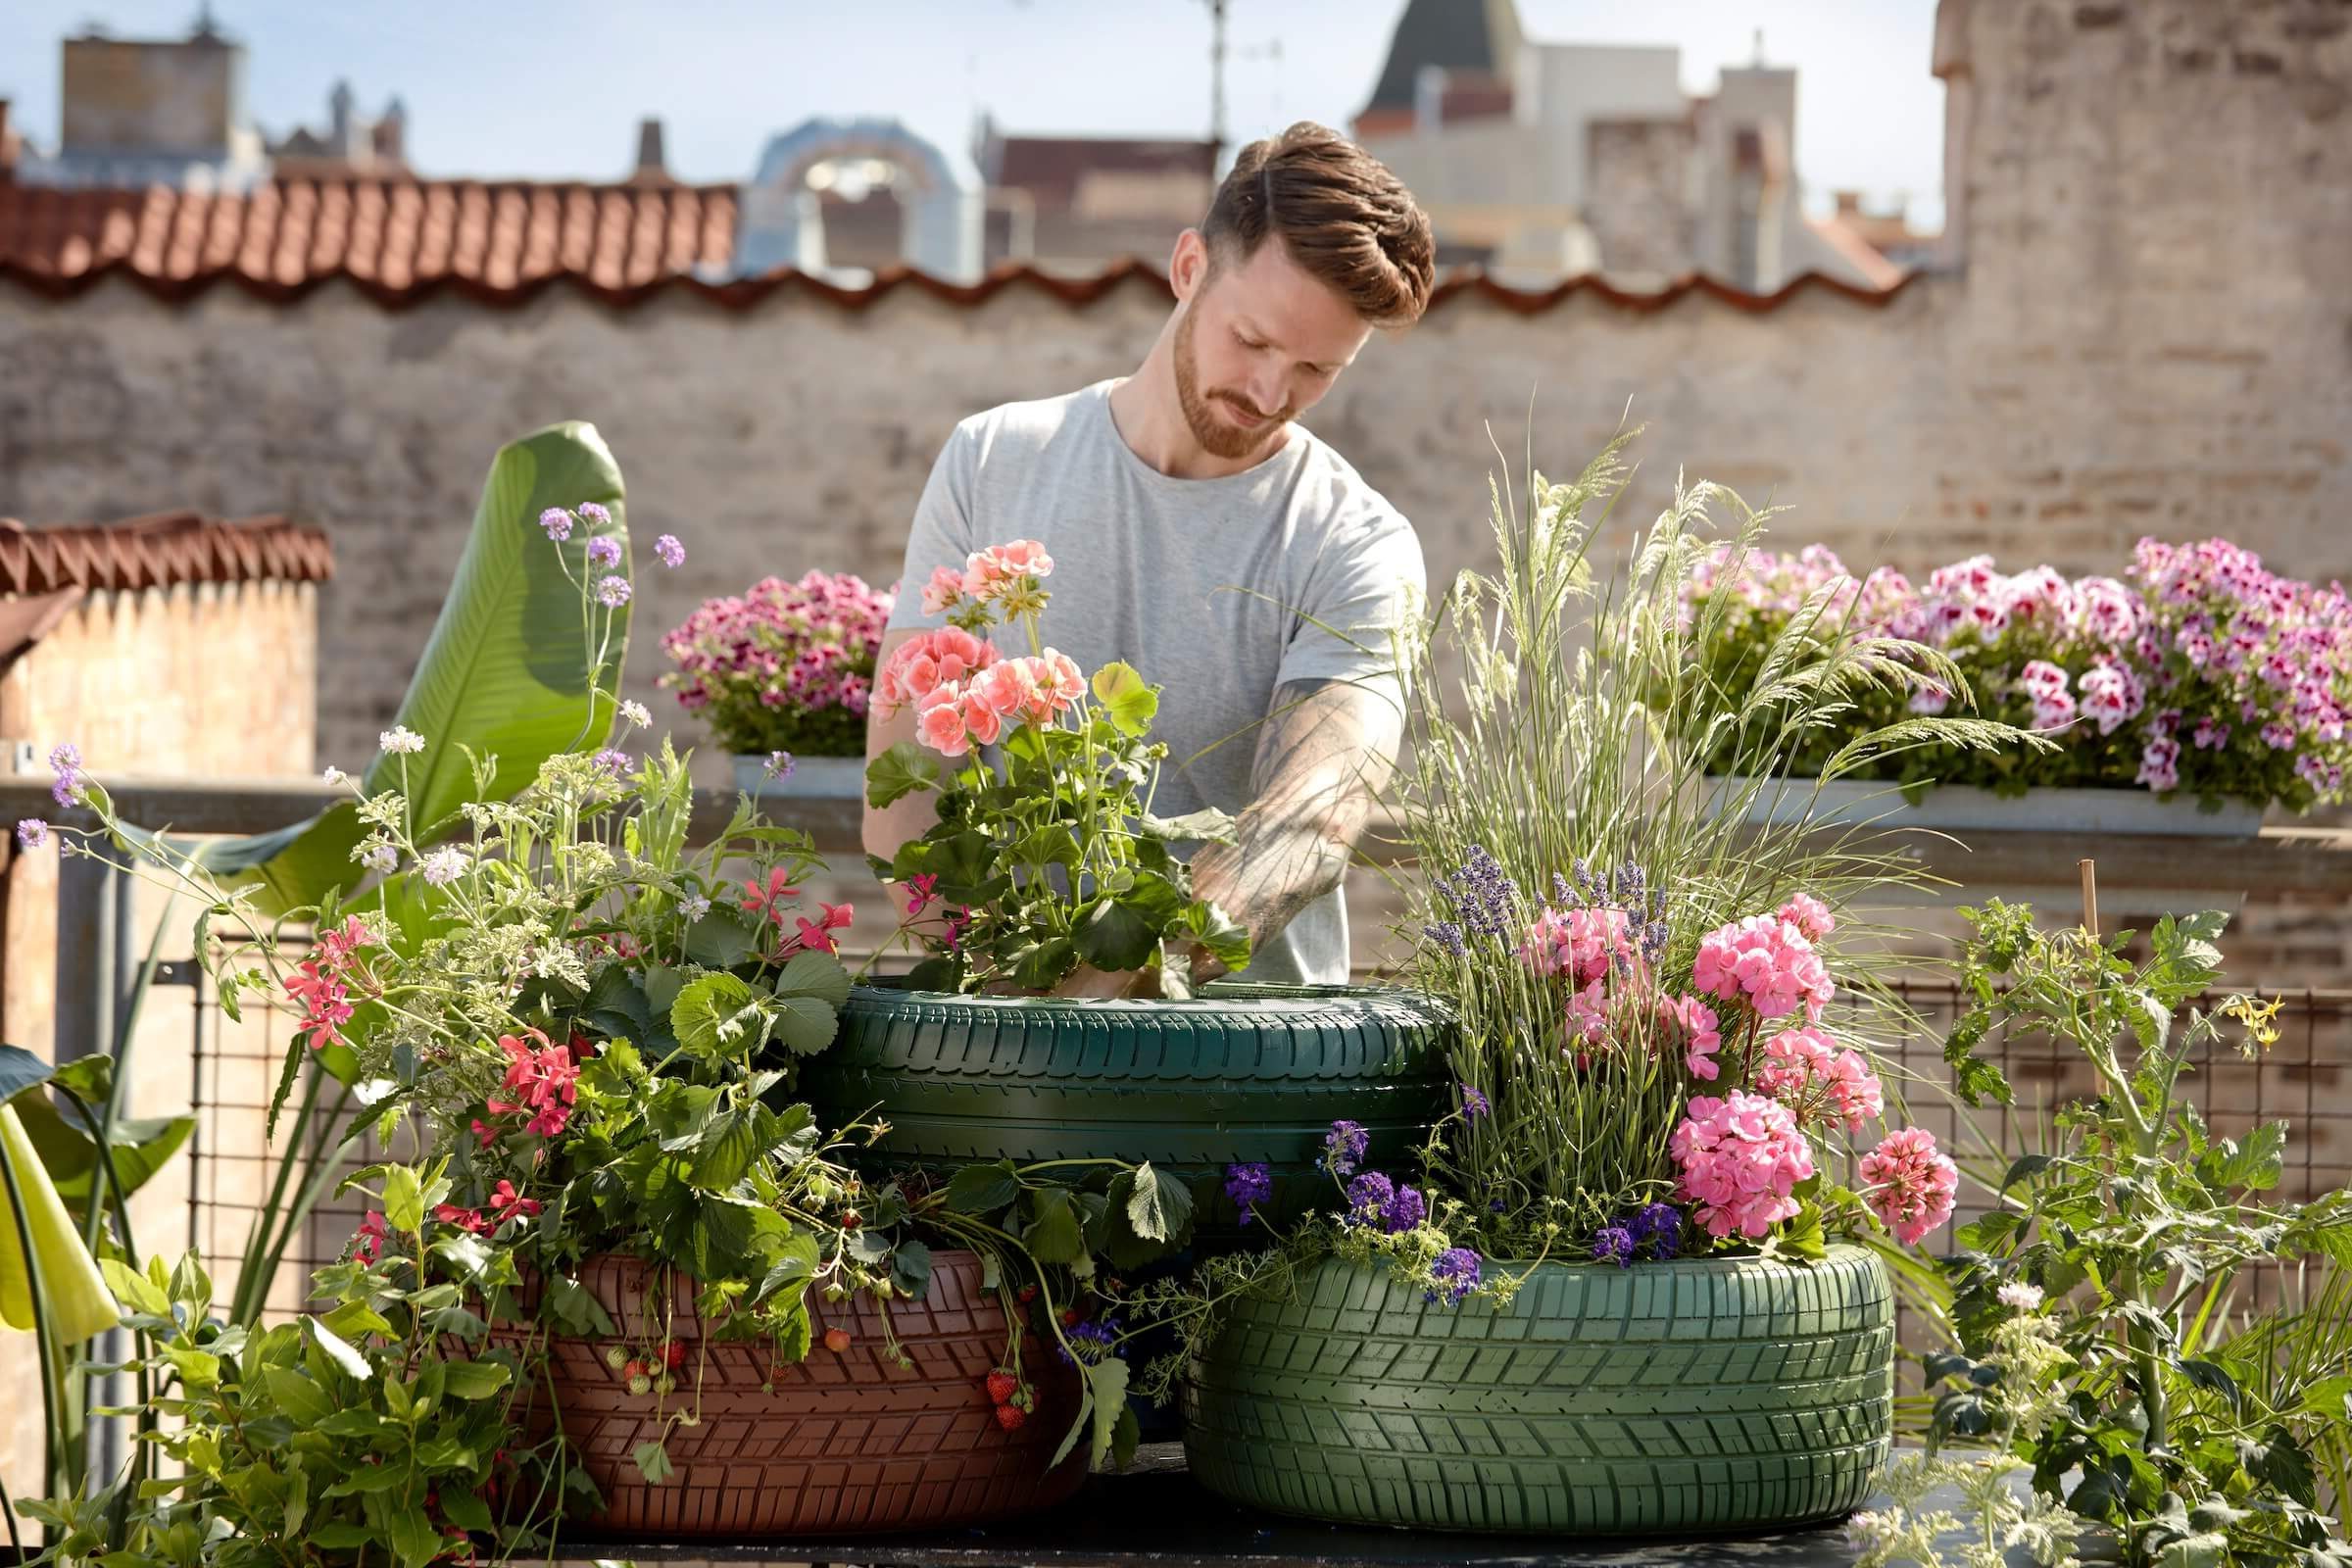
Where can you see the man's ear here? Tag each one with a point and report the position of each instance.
(1188, 266)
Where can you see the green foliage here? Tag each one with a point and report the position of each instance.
(2118, 1251)
(354, 1436)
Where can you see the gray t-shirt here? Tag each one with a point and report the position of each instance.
(1209, 587)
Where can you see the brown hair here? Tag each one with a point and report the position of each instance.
(1340, 213)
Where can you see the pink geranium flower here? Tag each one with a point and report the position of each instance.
(940, 724)
(1694, 1026)
(1767, 962)
(1806, 1071)
(945, 590)
(1741, 1156)
(943, 656)
(1581, 944)
(989, 573)
(1910, 1183)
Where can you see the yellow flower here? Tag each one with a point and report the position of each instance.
(2262, 1032)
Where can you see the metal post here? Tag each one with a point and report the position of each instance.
(96, 959)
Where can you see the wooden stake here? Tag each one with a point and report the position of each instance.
(2090, 895)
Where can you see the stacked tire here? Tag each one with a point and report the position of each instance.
(1703, 1395)
(1242, 1074)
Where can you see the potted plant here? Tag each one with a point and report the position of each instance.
(2105, 1338)
(1045, 856)
(783, 673)
(1617, 1295)
(2184, 699)
(626, 1276)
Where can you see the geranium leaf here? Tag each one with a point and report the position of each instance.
(1129, 704)
(898, 772)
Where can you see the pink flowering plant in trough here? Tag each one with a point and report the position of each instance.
(2198, 671)
(1047, 854)
(784, 667)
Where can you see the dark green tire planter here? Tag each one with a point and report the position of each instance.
(1241, 1074)
(1666, 1399)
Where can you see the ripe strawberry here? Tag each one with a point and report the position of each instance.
(1069, 1317)
(837, 1340)
(634, 1369)
(1028, 1293)
(674, 1356)
(1001, 1386)
(1009, 1418)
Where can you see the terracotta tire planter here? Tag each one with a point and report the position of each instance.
(1710, 1394)
(1242, 1073)
(846, 1442)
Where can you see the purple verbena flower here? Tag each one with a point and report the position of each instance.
(614, 592)
(1249, 1186)
(591, 512)
(1404, 1210)
(557, 524)
(1613, 1244)
(1094, 1342)
(1369, 1197)
(604, 551)
(1343, 1148)
(1455, 1273)
(614, 761)
(779, 766)
(32, 833)
(671, 553)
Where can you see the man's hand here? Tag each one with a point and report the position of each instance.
(1325, 754)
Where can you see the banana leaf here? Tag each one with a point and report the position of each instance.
(506, 673)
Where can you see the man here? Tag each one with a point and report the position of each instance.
(1201, 535)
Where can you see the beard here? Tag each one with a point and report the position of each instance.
(1217, 437)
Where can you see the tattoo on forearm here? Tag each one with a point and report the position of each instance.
(1323, 757)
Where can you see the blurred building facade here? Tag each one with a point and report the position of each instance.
(1547, 160)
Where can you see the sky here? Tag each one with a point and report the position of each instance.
(539, 89)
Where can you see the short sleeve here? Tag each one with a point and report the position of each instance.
(941, 533)
(1360, 594)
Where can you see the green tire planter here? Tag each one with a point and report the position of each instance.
(1709, 1394)
(1239, 1074)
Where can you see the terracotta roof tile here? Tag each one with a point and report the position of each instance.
(403, 241)
(390, 234)
(159, 550)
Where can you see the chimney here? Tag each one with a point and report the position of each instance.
(651, 168)
(391, 135)
(8, 146)
(339, 105)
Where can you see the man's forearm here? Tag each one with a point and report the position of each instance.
(1323, 758)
